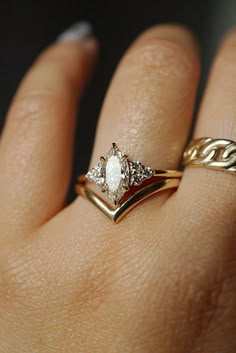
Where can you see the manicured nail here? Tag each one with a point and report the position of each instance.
(76, 33)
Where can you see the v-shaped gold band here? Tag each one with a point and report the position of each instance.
(161, 180)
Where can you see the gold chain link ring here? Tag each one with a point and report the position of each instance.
(219, 154)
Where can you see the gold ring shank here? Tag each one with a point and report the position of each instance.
(218, 154)
(161, 180)
(168, 173)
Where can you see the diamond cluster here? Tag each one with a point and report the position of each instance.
(97, 174)
(139, 173)
(115, 174)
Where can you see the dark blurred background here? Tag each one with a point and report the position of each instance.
(27, 27)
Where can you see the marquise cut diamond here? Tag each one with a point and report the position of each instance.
(112, 174)
(115, 174)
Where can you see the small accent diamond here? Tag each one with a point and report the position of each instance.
(97, 174)
(139, 173)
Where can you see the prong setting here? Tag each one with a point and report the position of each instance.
(115, 174)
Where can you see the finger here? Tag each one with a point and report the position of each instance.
(217, 120)
(147, 111)
(149, 104)
(206, 206)
(36, 146)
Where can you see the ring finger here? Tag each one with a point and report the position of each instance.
(149, 104)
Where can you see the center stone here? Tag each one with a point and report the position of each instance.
(113, 173)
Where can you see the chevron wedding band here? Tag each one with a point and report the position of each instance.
(125, 183)
(219, 154)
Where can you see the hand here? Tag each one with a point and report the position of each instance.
(163, 279)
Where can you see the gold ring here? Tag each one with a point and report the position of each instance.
(125, 183)
(219, 154)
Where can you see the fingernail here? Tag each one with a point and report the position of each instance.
(76, 33)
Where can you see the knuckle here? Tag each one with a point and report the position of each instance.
(32, 106)
(207, 293)
(203, 301)
(198, 293)
(218, 303)
(33, 102)
(17, 278)
(95, 283)
(32, 281)
(162, 55)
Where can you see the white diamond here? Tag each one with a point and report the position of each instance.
(113, 173)
(96, 175)
(139, 173)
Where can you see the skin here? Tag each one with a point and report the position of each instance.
(162, 280)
